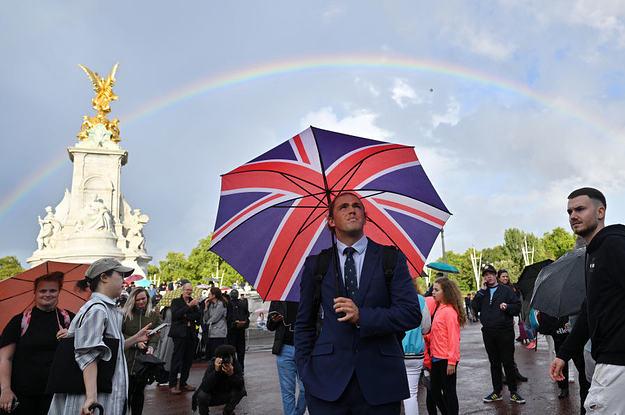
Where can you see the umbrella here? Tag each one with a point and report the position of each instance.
(261, 310)
(443, 267)
(211, 279)
(143, 283)
(528, 277)
(272, 210)
(170, 295)
(203, 286)
(133, 278)
(16, 293)
(560, 287)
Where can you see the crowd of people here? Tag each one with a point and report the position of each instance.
(361, 339)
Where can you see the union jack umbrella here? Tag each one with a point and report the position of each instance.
(272, 211)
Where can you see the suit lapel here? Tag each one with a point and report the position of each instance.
(372, 257)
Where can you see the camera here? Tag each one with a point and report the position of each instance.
(226, 360)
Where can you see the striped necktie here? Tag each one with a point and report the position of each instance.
(351, 283)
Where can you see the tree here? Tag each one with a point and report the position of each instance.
(558, 242)
(207, 264)
(175, 267)
(9, 267)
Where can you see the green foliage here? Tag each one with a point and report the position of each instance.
(558, 242)
(200, 264)
(9, 266)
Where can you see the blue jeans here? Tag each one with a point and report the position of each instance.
(287, 373)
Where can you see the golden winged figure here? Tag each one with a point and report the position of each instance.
(103, 88)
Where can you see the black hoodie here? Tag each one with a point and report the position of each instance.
(602, 318)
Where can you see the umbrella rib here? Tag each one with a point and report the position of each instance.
(391, 239)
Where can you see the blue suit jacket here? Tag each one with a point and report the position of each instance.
(326, 364)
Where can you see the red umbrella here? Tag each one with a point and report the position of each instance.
(133, 278)
(16, 293)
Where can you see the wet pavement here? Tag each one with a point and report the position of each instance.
(263, 388)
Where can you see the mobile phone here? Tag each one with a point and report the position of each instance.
(14, 405)
(153, 331)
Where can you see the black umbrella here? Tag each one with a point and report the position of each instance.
(560, 288)
(148, 367)
(528, 277)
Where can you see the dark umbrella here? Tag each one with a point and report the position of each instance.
(148, 368)
(272, 210)
(443, 267)
(560, 288)
(528, 277)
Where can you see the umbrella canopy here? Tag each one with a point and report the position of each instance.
(560, 287)
(210, 279)
(443, 267)
(203, 286)
(170, 295)
(528, 277)
(16, 293)
(264, 310)
(272, 210)
(143, 283)
(134, 278)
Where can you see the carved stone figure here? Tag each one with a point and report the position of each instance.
(50, 227)
(135, 224)
(95, 216)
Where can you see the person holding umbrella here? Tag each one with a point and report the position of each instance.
(138, 312)
(99, 317)
(356, 364)
(28, 344)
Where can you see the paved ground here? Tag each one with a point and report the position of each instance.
(473, 384)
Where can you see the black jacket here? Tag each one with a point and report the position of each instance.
(216, 383)
(602, 318)
(491, 316)
(183, 316)
(281, 326)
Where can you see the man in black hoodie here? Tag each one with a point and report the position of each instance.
(602, 318)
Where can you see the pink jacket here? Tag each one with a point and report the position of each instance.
(445, 335)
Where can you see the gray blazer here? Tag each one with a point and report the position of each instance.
(215, 319)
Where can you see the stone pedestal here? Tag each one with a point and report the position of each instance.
(94, 220)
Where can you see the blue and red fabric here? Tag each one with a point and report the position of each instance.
(272, 210)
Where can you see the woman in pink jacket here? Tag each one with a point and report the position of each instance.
(448, 316)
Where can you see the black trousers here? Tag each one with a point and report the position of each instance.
(182, 358)
(443, 388)
(135, 394)
(499, 345)
(214, 398)
(236, 338)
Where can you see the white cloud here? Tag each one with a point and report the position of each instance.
(483, 42)
(404, 93)
(368, 86)
(451, 116)
(331, 12)
(357, 122)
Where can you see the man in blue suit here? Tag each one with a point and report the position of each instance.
(356, 364)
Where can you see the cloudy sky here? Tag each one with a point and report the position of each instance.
(510, 105)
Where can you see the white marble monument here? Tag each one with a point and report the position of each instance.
(94, 220)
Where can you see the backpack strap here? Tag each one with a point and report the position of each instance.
(389, 260)
(26, 315)
(66, 318)
(323, 262)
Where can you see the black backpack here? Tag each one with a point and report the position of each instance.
(239, 317)
(389, 260)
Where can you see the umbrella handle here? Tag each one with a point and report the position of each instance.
(98, 407)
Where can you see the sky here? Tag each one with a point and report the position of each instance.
(510, 105)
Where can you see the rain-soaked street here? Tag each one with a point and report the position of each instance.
(263, 388)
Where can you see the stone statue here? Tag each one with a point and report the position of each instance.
(135, 224)
(103, 88)
(50, 227)
(95, 216)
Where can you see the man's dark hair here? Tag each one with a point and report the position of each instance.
(225, 350)
(592, 193)
(333, 203)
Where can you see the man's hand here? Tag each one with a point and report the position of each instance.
(217, 364)
(555, 370)
(347, 306)
(503, 306)
(193, 303)
(484, 285)
(276, 317)
(228, 369)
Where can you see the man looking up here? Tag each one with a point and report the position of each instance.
(498, 304)
(356, 365)
(601, 318)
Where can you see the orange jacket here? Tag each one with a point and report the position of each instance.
(445, 335)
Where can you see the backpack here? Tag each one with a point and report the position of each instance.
(389, 260)
(239, 316)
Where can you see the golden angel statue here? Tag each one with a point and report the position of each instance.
(103, 88)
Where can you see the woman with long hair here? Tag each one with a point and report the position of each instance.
(214, 321)
(137, 313)
(99, 317)
(447, 318)
(414, 352)
(29, 342)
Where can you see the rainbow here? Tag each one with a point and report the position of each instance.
(217, 83)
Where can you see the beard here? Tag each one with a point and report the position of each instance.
(588, 230)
